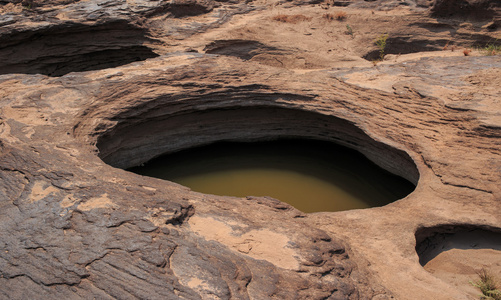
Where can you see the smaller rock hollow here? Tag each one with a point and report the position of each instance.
(432, 241)
(405, 45)
(244, 49)
(61, 49)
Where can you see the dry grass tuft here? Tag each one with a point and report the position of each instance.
(291, 18)
(487, 286)
(329, 17)
(338, 15)
(446, 46)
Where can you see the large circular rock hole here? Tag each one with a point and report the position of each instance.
(313, 161)
(310, 175)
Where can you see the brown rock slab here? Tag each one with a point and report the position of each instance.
(89, 87)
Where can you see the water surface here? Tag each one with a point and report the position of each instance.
(310, 175)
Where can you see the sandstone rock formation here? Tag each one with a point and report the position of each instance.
(480, 10)
(89, 87)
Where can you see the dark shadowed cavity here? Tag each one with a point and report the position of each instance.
(66, 48)
(310, 175)
(430, 242)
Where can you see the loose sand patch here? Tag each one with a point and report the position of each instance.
(259, 244)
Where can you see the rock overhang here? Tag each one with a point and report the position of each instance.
(134, 141)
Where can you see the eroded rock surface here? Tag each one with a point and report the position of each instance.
(89, 86)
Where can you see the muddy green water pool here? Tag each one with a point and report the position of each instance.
(310, 175)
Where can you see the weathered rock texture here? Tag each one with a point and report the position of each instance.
(89, 86)
(480, 10)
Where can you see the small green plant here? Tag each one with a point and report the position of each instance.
(492, 49)
(487, 286)
(381, 44)
(349, 30)
(27, 4)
